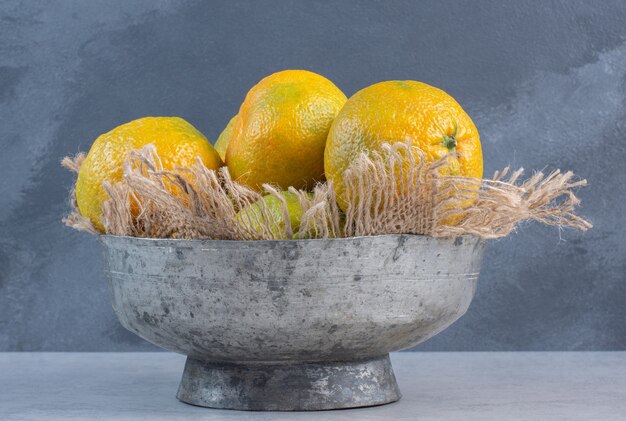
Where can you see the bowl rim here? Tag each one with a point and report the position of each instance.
(148, 240)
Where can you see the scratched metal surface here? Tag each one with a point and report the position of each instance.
(307, 300)
(290, 325)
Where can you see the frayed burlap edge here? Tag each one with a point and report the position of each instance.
(399, 191)
(393, 191)
(75, 219)
(187, 203)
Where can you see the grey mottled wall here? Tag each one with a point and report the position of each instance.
(544, 82)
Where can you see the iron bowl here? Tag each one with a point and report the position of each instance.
(290, 324)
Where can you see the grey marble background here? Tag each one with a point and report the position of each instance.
(545, 82)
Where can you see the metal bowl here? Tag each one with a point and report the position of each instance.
(293, 324)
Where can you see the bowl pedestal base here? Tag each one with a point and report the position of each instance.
(288, 386)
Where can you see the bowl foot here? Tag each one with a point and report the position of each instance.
(288, 386)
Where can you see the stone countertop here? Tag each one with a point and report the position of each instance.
(435, 386)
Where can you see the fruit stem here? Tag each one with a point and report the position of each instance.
(449, 141)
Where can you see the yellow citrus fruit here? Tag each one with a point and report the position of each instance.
(221, 144)
(251, 215)
(397, 111)
(177, 143)
(281, 129)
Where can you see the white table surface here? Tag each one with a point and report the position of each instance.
(435, 386)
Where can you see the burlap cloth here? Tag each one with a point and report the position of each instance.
(394, 191)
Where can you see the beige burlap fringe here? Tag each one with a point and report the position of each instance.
(75, 219)
(394, 191)
(398, 191)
